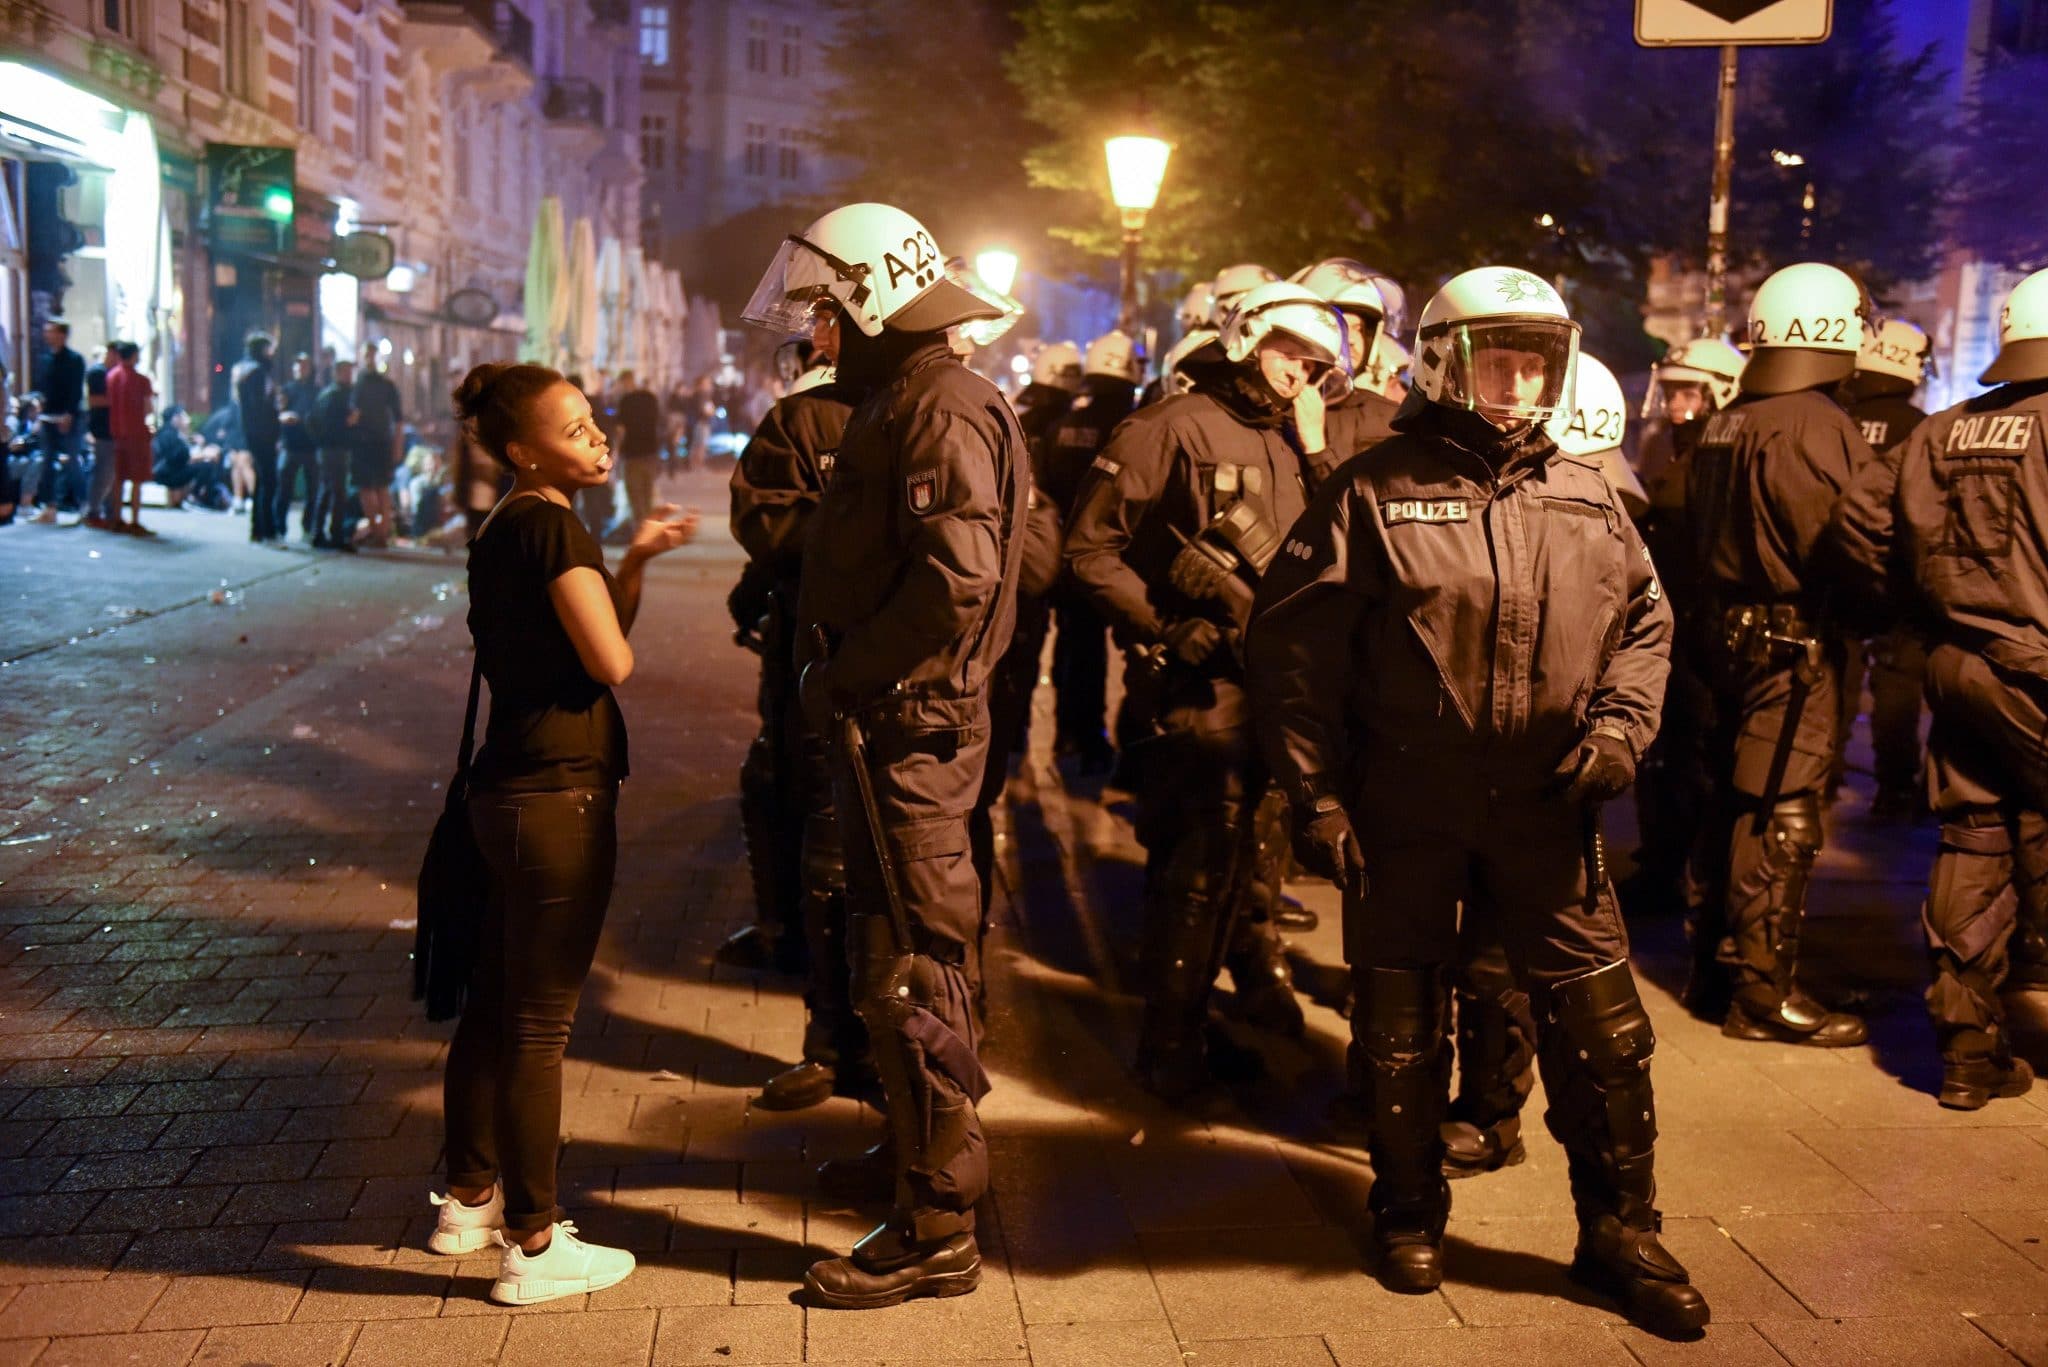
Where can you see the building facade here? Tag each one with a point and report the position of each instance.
(182, 174)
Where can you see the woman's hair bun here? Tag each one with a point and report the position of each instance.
(494, 398)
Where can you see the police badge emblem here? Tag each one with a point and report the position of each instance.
(921, 491)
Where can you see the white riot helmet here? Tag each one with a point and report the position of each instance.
(1707, 362)
(1058, 365)
(878, 262)
(816, 377)
(1171, 378)
(2022, 334)
(1113, 354)
(1195, 307)
(1352, 289)
(1500, 337)
(1593, 428)
(1805, 329)
(1895, 350)
(983, 332)
(1300, 313)
(1388, 362)
(1231, 284)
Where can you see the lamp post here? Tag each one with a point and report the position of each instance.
(1136, 166)
(997, 268)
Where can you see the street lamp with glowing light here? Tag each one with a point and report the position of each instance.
(997, 269)
(1137, 165)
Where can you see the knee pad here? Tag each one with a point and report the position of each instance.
(1601, 1016)
(1399, 1018)
(757, 773)
(1795, 831)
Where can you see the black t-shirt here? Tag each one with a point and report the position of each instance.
(551, 725)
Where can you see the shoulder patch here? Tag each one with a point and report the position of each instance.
(921, 491)
(1394, 512)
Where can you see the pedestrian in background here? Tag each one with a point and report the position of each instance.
(60, 380)
(550, 626)
(131, 398)
(301, 458)
(97, 426)
(639, 419)
(380, 419)
(255, 392)
(332, 426)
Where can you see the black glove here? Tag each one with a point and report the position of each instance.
(1324, 842)
(1599, 769)
(1196, 574)
(1192, 640)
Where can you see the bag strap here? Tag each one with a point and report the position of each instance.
(462, 758)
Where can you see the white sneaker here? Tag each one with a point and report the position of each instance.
(566, 1267)
(465, 1229)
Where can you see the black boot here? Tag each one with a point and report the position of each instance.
(1291, 915)
(1977, 1067)
(1174, 977)
(889, 1267)
(1496, 1064)
(753, 948)
(1400, 1027)
(1794, 1019)
(1471, 1149)
(799, 1088)
(1595, 1049)
(1264, 979)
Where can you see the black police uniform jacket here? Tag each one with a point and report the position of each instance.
(1886, 420)
(912, 555)
(1764, 479)
(1072, 442)
(1435, 619)
(1958, 521)
(1170, 468)
(783, 472)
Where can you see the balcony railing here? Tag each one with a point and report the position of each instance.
(509, 30)
(573, 99)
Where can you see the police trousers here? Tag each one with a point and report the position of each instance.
(917, 998)
(1988, 903)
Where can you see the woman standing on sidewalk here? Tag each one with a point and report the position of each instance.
(550, 627)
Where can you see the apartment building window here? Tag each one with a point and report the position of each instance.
(653, 142)
(461, 146)
(792, 50)
(368, 115)
(757, 149)
(786, 166)
(118, 16)
(654, 35)
(235, 42)
(757, 45)
(311, 87)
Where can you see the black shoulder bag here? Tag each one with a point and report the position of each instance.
(452, 887)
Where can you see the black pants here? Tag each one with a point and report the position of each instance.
(1080, 673)
(551, 857)
(330, 506)
(263, 521)
(295, 463)
(917, 1000)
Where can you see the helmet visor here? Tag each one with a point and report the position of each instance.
(984, 331)
(800, 279)
(1512, 368)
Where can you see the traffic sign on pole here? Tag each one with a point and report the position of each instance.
(1721, 23)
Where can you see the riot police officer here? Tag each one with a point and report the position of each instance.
(906, 604)
(1110, 372)
(1958, 524)
(1055, 380)
(1889, 372)
(1764, 478)
(1500, 641)
(1362, 417)
(1184, 510)
(786, 814)
(1674, 786)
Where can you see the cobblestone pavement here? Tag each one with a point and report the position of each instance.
(220, 1115)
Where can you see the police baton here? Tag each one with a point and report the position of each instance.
(853, 744)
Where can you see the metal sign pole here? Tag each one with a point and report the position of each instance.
(1717, 207)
